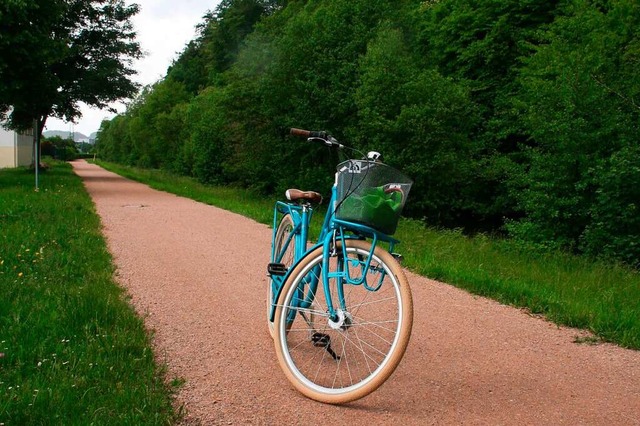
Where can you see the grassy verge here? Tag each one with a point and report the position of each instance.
(568, 290)
(233, 199)
(72, 350)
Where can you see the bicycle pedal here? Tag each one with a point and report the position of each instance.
(321, 340)
(277, 269)
(398, 257)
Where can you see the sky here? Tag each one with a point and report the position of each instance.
(164, 27)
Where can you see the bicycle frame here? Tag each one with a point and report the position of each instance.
(301, 216)
(346, 296)
(332, 230)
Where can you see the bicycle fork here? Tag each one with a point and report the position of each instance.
(338, 318)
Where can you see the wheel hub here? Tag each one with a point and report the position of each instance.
(343, 320)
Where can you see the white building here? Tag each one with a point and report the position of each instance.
(16, 148)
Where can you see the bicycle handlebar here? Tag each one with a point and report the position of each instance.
(308, 133)
(323, 137)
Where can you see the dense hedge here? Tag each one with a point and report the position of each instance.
(512, 116)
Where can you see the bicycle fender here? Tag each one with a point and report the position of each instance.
(286, 277)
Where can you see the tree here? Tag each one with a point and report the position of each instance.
(421, 121)
(481, 44)
(60, 148)
(58, 53)
(580, 102)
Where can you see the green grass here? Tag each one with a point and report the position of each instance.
(229, 198)
(568, 290)
(72, 350)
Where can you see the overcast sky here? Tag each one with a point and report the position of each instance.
(164, 27)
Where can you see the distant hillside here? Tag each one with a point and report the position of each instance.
(77, 136)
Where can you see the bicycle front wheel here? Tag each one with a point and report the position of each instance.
(345, 357)
(285, 254)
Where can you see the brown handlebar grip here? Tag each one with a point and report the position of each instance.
(300, 132)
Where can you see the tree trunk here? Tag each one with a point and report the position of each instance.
(42, 120)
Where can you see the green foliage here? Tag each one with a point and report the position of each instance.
(232, 22)
(421, 121)
(578, 104)
(190, 68)
(208, 135)
(217, 45)
(153, 123)
(57, 53)
(482, 41)
(57, 147)
(512, 116)
(614, 229)
(113, 140)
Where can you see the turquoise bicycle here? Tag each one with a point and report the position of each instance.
(340, 312)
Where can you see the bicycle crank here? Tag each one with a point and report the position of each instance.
(321, 340)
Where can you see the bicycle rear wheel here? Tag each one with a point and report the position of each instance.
(341, 359)
(288, 257)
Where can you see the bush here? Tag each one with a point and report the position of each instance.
(614, 232)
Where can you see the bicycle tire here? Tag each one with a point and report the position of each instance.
(284, 229)
(367, 348)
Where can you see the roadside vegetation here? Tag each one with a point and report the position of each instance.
(72, 349)
(513, 117)
(571, 290)
(516, 120)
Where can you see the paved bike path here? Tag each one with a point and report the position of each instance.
(197, 275)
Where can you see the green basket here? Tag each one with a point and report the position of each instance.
(372, 194)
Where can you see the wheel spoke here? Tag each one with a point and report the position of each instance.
(335, 358)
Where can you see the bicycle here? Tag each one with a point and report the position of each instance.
(341, 311)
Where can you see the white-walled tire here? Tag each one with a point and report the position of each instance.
(343, 359)
(284, 229)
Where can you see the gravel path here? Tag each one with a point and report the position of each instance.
(197, 275)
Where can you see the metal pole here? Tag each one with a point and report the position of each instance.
(37, 156)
